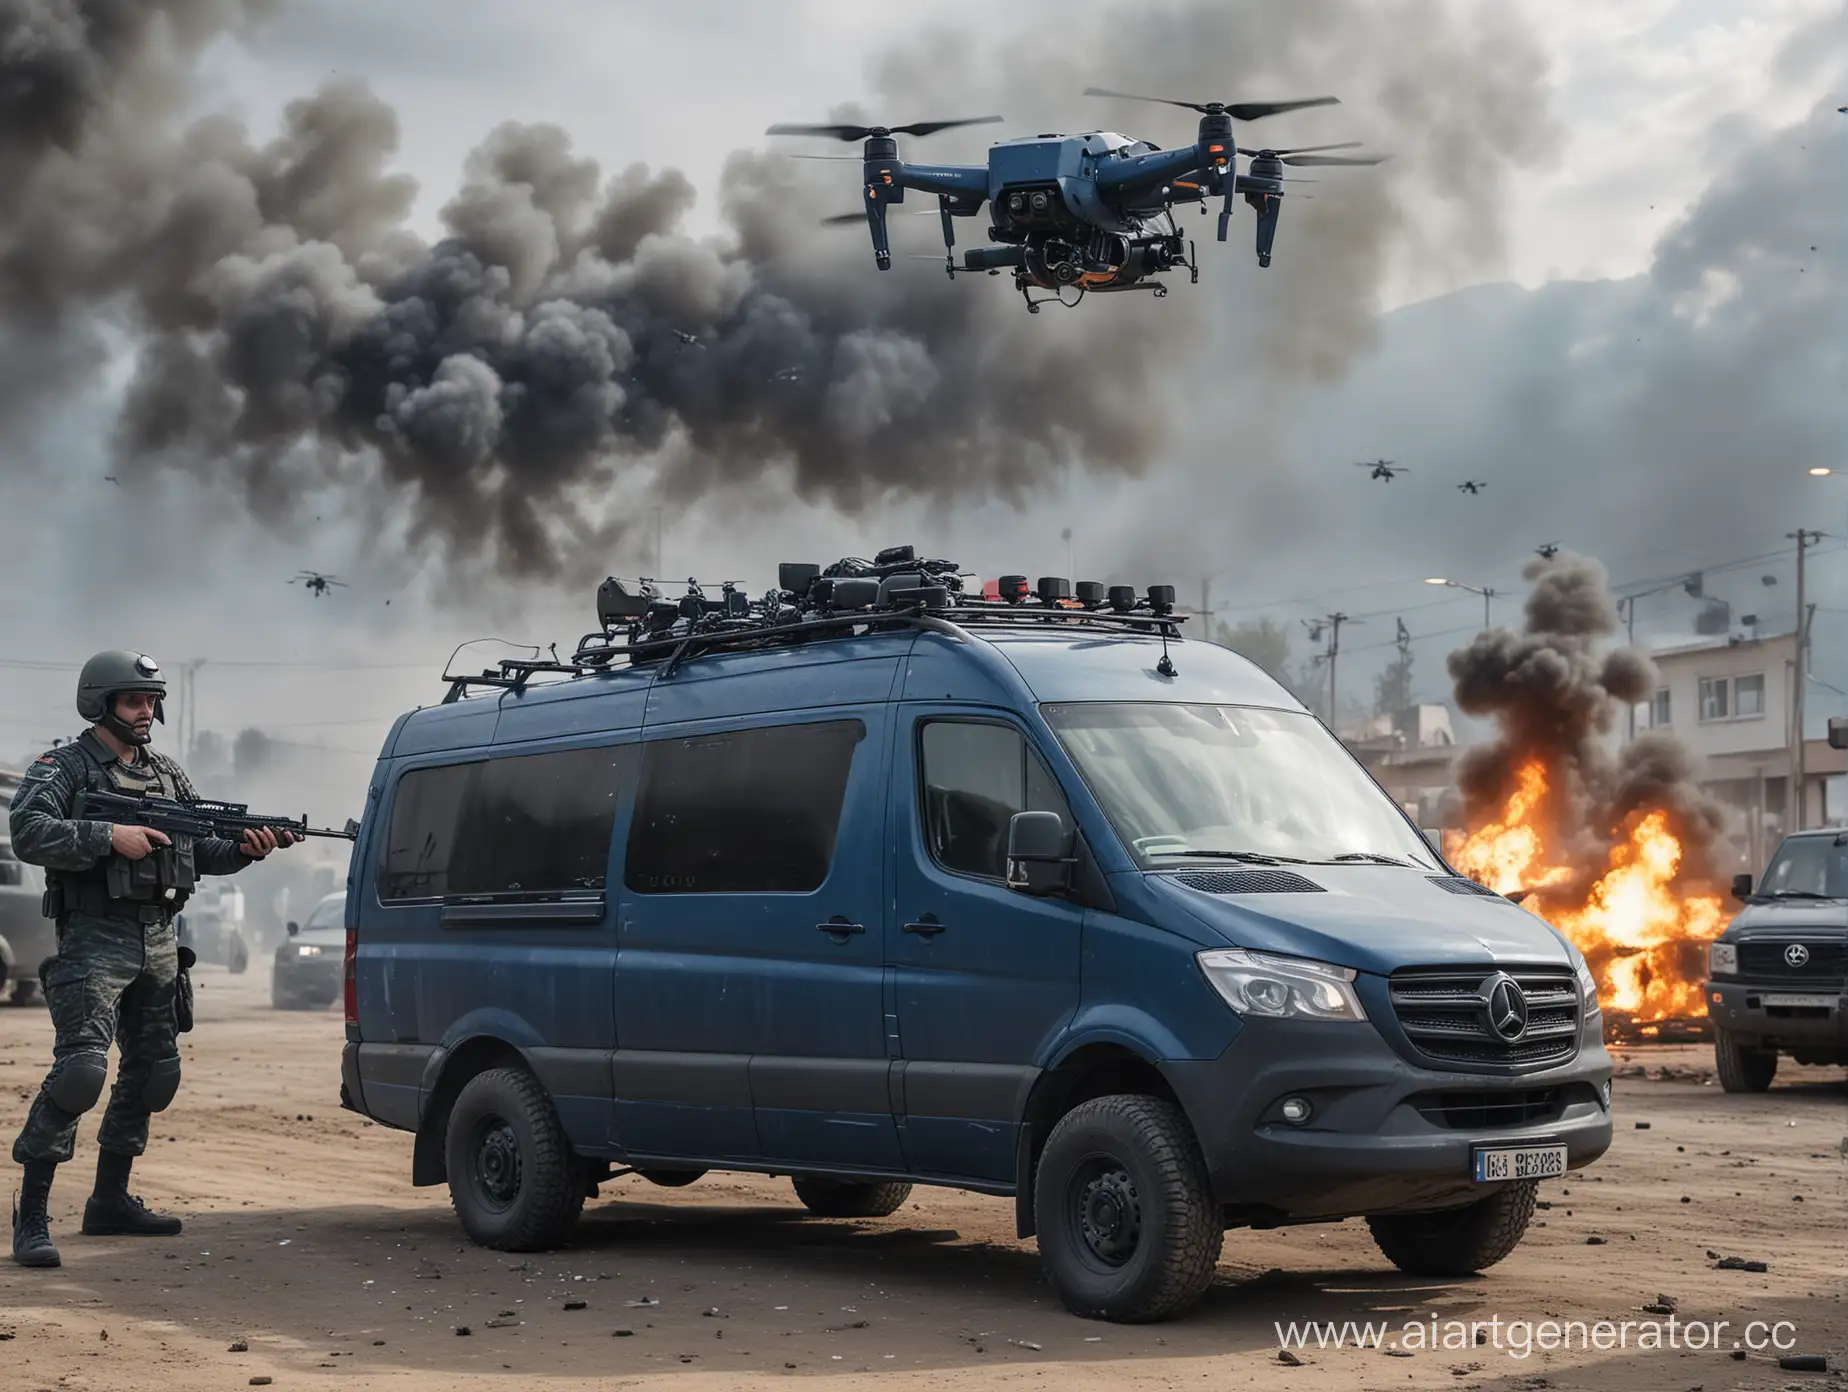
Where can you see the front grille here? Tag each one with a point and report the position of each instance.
(1827, 964)
(1444, 1015)
(1250, 882)
(1456, 884)
(1482, 1111)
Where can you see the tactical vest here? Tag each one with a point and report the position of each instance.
(156, 886)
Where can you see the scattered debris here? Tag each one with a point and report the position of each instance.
(501, 1324)
(1661, 1305)
(643, 1303)
(260, 1381)
(1592, 1241)
(1803, 1363)
(239, 1346)
(622, 1333)
(1288, 1359)
(577, 1304)
(1642, 1126)
(1398, 1353)
(1017, 1343)
(463, 1331)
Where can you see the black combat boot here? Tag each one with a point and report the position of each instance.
(31, 1222)
(113, 1211)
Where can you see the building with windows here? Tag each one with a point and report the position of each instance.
(1732, 701)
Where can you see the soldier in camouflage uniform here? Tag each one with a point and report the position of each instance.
(114, 890)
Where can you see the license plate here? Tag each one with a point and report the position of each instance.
(1519, 1162)
(1800, 1002)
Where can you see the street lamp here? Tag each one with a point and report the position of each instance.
(1487, 594)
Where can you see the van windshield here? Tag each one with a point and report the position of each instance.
(1180, 781)
(1807, 867)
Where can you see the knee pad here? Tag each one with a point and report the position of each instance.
(77, 1082)
(162, 1084)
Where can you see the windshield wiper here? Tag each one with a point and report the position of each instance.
(1371, 857)
(1797, 894)
(1249, 857)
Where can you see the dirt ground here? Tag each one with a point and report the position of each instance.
(309, 1259)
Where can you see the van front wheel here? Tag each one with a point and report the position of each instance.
(1742, 1069)
(514, 1181)
(831, 1198)
(1457, 1241)
(1128, 1229)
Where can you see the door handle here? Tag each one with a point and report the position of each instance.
(927, 927)
(841, 926)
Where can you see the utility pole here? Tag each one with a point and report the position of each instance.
(1797, 802)
(1335, 621)
(657, 545)
(1206, 607)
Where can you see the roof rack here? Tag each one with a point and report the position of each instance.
(849, 598)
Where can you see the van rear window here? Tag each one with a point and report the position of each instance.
(535, 823)
(747, 811)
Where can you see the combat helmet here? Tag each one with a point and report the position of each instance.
(107, 675)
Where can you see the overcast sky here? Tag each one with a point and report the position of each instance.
(1685, 161)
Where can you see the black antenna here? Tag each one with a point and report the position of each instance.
(1166, 666)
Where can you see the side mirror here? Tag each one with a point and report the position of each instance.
(1838, 732)
(1038, 854)
(1742, 887)
(294, 927)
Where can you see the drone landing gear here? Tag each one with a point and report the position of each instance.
(1026, 287)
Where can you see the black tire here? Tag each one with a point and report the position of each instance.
(281, 998)
(1128, 1229)
(237, 955)
(672, 1179)
(513, 1179)
(1457, 1241)
(836, 1198)
(24, 990)
(1742, 1069)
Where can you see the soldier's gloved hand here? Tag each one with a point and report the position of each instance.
(136, 842)
(260, 841)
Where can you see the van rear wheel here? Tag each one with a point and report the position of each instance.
(1742, 1069)
(833, 1198)
(1128, 1229)
(514, 1181)
(1457, 1241)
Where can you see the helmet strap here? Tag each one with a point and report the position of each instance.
(120, 728)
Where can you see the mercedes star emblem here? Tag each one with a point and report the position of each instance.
(1505, 1006)
(1797, 954)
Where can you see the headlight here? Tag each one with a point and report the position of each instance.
(1588, 987)
(309, 950)
(1723, 958)
(1257, 983)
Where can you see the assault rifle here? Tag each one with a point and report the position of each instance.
(202, 818)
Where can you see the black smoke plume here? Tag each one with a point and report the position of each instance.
(498, 386)
(1555, 691)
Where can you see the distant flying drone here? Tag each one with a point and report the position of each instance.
(1383, 468)
(1094, 211)
(1547, 550)
(111, 478)
(317, 583)
(1471, 486)
(687, 339)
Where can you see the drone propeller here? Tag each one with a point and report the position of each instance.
(1238, 111)
(1301, 149)
(1330, 161)
(851, 133)
(842, 219)
(845, 159)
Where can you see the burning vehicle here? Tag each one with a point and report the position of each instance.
(1614, 847)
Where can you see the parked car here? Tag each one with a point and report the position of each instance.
(306, 972)
(1779, 972)
(212, 925)
(27, 937)
(1064, 913)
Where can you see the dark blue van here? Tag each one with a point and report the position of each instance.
(871, 884)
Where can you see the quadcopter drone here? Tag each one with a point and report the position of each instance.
(316, 583)
(1088, 212)
(1383, 469)
(1471, 486)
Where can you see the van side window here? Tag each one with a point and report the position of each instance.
(532, 823)
(975, 776)
(741, 812)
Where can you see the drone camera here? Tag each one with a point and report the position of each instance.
(1121, 598)
(896, 555)
(795, 577)
(1091, 593)
(1013, 588)
(1161, 599)
(618, 604)
(1053, 588)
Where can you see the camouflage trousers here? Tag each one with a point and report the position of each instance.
(113, 979)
